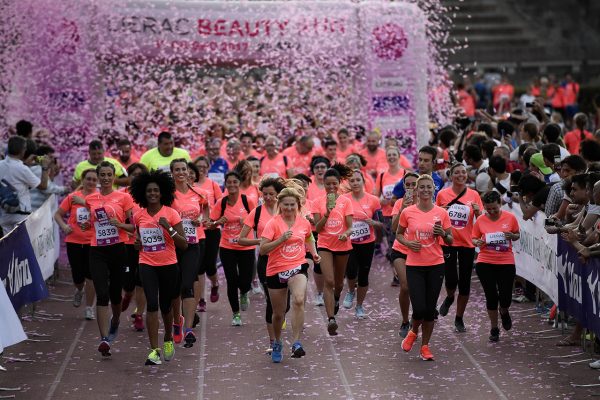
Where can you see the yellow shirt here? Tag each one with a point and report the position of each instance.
(154, 160)
(85, 165)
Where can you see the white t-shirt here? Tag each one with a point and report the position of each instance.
(21, 178)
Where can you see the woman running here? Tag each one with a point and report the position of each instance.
(316, 188)
(366, 218)
(213, 235)
(283, 240)
(256, 221)
(495, 267)
(108, 210)
(420, 228)
(463, 205)
(238, 261)
(192, 206)
(399, 251)
(247, 187)
(78, 236)
(159, 230)
(333, 217)
(357, 161)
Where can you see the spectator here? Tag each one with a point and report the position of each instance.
(478, 176)
(466, 99)
(558, 201)
(487, 148)
(538, 167)
(38, 197)
(590, 150)
(527, 154)
(500, 179)
(571, 93)
(24, 129)
(17, 174)
(503, 95)
(552, 134)
(534, 193)
(574, 138)
(504, 152)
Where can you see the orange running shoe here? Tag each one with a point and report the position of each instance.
(426, 354)
(178, 330)
(408, 341)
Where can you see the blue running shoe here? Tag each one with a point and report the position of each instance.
(277, 354)
(113, 332)
(298, 350)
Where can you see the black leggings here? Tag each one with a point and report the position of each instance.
(211, 251)
(464, 257)
(424, 285)
(389, 235)
(107, 267)
(261, 271)
(359, 262)
(497, 282)
(160, 285)
(131, 277)
(79, 260)
(238, 266)
(188, 261)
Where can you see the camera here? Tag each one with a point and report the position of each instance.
(514, 189)
(549, 222)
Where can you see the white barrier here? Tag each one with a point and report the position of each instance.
(44, 236)
(11, 330)
(535, 253)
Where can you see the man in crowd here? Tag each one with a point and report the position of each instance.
(161, 156)
(478, 176)
(425, 165)
(126, 156)
(95, 157)
(299, 155)
(375, 155)
(218, 166)
(273, 163)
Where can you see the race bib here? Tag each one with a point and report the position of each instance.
(286, 275)
(233, 240)
(190, 231)
(388, 192)
(459, 215)
(217, 177)
(101, 215)
(106, 234)
(82, 215)
(361, 231)
(496, 241)
(152, 239)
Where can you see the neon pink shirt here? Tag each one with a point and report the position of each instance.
(461, 214)
(363, 209)
(190, 206)
(77, 215)
(386, 188)
(497, 249)
(291, 253)
(115, 204)
(335, 225)
(419, 226)
(158, 247)
(235, 215)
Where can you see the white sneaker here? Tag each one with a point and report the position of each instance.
(360, 312)
(257, 287)
(319, 301)
(77, 298)
(348, 300)
(595, 364)
(89, 313)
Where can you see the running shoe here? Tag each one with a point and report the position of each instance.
(426, 354)
(190, 339)
(178, 331)
(360, 312)
(126, 300)
(244, 301)
(89, 313)
(332, 327)
(445, 307)
(214, 294)
(298, 350)
(138, 323)
(595, 364)
(104, 348)
(169, 350)
(256, 287)
(270, 349)
(494, 334)
(319, 301)
(337, 307)
(77, 298)
(113, 332)
(348, 300)
(202, 305)
(236, 320)
(154, 358)
(408, 341)
(404, 328)
(506, 321)
(277, 354)
(395, 281)
(459, 325)
(196, 320)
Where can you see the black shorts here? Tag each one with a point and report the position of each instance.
(396, 254)
(274, 282)
(335, 253)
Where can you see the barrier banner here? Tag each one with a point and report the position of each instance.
(44, 236)
(535, 253)
(19, 269)
(579, 286)
(12, 330)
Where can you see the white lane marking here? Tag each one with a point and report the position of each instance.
(65, 362)
(202, 362)
(482, 372)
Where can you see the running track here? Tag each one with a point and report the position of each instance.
(364, 362)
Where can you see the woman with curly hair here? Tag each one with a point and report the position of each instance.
(159, 231)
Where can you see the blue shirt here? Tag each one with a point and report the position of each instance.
(437, 180)
(217, 171)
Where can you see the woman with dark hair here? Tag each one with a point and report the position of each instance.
(333, 220)
(357, 161)
(108, 211)
(244, 169)
(192, 206)
(159, 232)
(77, 238)
(256, 221)
(238, 261)
(318, 166)
(493, 234)
(213, 234)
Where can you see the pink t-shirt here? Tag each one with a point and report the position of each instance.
(102, 209)
(158, 247)
(262, 221)
(395, 211)
(497, 249)
(376, 163)
(231, 229)
(314, 191)
(335, 225)
(300, 163)
(385, 187)
(275, 167)
(190, 207)
(461, 214)
(77, 215)
(212, 189)
(291, 253)
(419, 226)
(363, 209)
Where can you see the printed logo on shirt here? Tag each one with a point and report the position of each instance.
(291, 251)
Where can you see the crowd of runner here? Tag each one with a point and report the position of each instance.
(148, 226)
